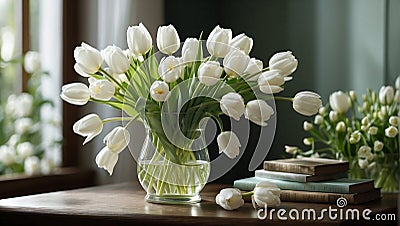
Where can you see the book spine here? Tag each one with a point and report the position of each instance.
(281, 176)
(291, 168)
(318, 197)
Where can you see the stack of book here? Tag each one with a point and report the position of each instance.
(312, 180)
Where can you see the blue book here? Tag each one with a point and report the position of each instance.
(343, 185)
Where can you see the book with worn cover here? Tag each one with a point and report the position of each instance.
(342, 185)
(327, 197)
(311, 166)
(297, 176)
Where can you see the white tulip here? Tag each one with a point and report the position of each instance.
(307, 103)
(46, 166)
(32, 165)
(373, 130)
(232, 104)
(119, 77)
(270, 82)
(168, 41)
(209, 72)
(386, 95)
(318, 120)
(218, 42)
(307, 126)
(7, 155)
(339, 102)
(378, 145)
(353, 95)
(397, 83)
(258, 111)
(116, 59)
(24, 150)
(333, 116)
(139, 39)
(118, 139)
(397, 97)
(107, 159)
(32, 62)
(101, 89)
(23, 125)
(88, 60)
(235, 62)
(229, 144)
(229, 198)
(88, 126)
(307, 141)
(365, 121)
(291, 149)
(75, 93)
(255, 66)
(7, 41)
(394, 120)
(363, 163)
(190, 50)
(391, 131)
(169, 69)
(14, 139)
(322, 110)
(355, 137)
(159, 91)
(266, 194)
(340, 127)
(22, 105)
(242, 42)
(285, 62)
(365, 152)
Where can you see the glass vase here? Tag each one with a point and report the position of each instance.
(169, 174)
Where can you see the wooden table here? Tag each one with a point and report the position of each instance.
(124, 204)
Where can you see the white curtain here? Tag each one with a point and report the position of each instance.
(106, 23)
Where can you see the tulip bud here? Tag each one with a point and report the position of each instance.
(333, 116)
(353, 95)
(363, 163)
(322, 110)
(242, 42)
(355, 137)
(255, 66)
(138, 39)
(88, 60)
(307, 103)
(190, 50)
(23, 125)
(386, 95)
(32, 165)
(159, 91)
(340, 127)
(318, 120)
(31, 62)
(229, 198)
(397, 83)
(116, 59)
(397, 97)
(378, 145)
(235, 62)
(365, 121)
(285, 62)
(394, 120)
(339, 102)
(169, 69)
(209, 72)
(168, 41)
(24, 150)
(218, 42)
(266, 194)
(391, 131)
(7, 155)
(229, 144)
(373, 130)
(101, 89)
(75, 93)
(258, 111)
(307, 126)
(88, 126)
(270, 82)
(308, 141)
(291, 149)
(232, 104)
(118, 139)
(107, 159)
(364, 128)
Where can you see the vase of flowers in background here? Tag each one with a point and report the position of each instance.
(174, 95)
(22, 147)
(363, 132)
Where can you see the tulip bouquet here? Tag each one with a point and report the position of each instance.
(22, 149)
(366, 134)
(173, 93)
